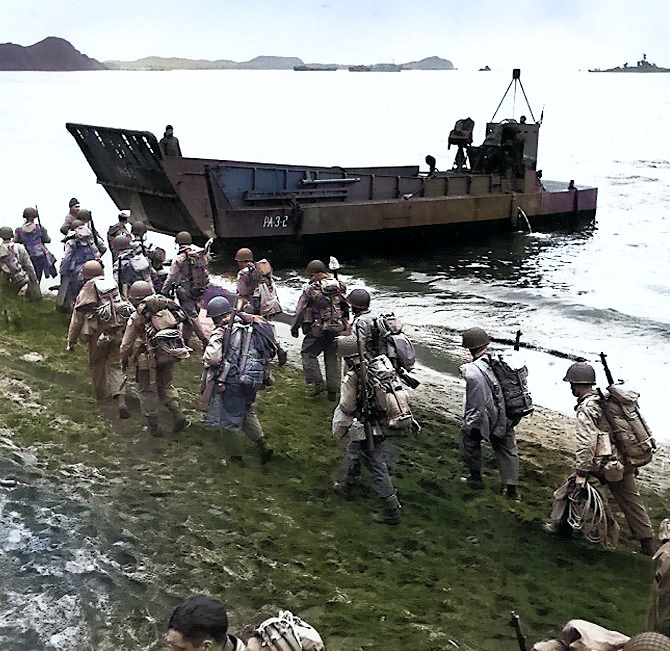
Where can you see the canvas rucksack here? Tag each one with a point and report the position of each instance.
(194, 268)
(248, 349)
(390, 397)
(267, 294)
(132, 266)
(399, 348)
(162, 318)
(331, 317)
(113, 311)
(514, 384)
(630, 433)
(10, 264)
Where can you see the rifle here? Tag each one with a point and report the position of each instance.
(517, 340)
(363, 397)
(608, 373)
(516, 625)
(410, 381)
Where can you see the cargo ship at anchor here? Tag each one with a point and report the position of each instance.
(300, 209)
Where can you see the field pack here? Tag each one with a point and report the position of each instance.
(269, 303)
(630, 432)
(113, 311)
(399, 348)
(9, 264)
(162, 320)
(333, 315)
(514, 385)
(194, 268)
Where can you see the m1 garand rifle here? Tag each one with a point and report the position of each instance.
(364, 398)
(608, 373)
(515, 623)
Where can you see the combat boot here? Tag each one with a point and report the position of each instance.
(122, 406)
(180, 421)
(154, 429)
(647, 546)
(345, 491)
(391, 507)
(282, 356)
(264, 452)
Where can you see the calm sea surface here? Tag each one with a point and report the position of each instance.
(604, 289)
(573, 295)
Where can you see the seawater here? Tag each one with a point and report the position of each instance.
(572, 294)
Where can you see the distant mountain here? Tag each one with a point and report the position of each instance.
(50, 54)
(161, 63)
(430, 63)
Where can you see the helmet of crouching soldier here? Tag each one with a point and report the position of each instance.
(139, 290)
(30, 213)
(244, 255)
(91, 269)
(580, 373)
(316, 267)
(6, 233)
(218, 306)
(648, 642)
(474, 338)
(183, 237)
(359, 299)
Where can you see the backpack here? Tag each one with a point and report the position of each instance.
(269, 303)
(31, 238)
(332, 314)
(132, 266)
(630, 433)
(390, 398)
(113, 311)
(194, 268)
(249, 348)
(82, 249)
(398, 346)
(11, 265)
(514, 385)
(162, 318)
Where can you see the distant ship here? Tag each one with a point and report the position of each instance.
(642, 66)
(378, 67)
(314, 67)
(485, 69)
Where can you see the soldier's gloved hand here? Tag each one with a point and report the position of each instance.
(295, 332)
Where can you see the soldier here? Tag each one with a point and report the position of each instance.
(71, 216)
(35, 238)
(485, 418)
(659, 612)
(201, 623)
(591, 426)
(130, 265)
(80, 247)
(169, 145)
(188, 278)
(250, 277)
(322, 313)
(16, 267)
(120, 228)
(98, 317)
(356, 415)
(150, 347)
(235, 361)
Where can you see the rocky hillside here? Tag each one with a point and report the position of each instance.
(430, 63)
(50, 54)
(173, 63)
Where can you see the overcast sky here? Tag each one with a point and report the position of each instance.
(471, 33)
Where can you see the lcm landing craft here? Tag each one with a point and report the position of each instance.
(297, 208)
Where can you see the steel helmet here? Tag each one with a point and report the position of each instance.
(359, 298)
(580, 373)
(140, 289)
(218, 306)
(138, 228)
(183, 237)
(474, 338)
(347, 345)
(316, 267)
(6, 233)
(121, 242)
(84, 215)
(648, 642)
(30, 213)
(244, 255)
(76, 223)
(91, 269)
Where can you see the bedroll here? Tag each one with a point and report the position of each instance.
(630, 432)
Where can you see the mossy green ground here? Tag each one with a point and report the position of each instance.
(264, 538)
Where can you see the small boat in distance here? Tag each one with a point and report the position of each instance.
(301, 210)
(377, 67)
(642, 66)
(485, 69)
(314, 67)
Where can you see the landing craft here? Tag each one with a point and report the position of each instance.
(295, 209)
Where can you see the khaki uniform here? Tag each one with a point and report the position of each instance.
(103, 349)
(591, 423)
(659, 613)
